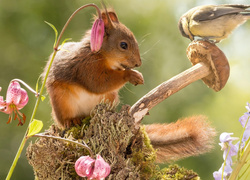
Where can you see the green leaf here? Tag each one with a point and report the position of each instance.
(43, 97)
(67, 39)
(35, 127)
(64, 50)
(37, 83)
(55, 30)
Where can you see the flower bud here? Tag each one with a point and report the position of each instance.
(84, 166)
(97, 33)
(97, 169)
(101, 169)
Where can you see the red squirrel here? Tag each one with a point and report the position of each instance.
(80, 79)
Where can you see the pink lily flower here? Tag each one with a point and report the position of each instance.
(101, 169)
(16, 99)
(97, 169)
(84, 166)
(97, 33)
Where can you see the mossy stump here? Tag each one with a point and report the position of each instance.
(112, 135)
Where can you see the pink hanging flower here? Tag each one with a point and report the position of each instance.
(97, 169)
(97, 33)
(16, 99)
(84, 166)
(101, 169)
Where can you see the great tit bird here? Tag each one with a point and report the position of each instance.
(213, 22)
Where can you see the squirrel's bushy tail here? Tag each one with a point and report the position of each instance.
(187, 137)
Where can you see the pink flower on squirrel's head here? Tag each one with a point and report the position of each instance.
(97, 33)
(16, 99)
(97, 169)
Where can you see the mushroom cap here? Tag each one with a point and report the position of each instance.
(213, 57)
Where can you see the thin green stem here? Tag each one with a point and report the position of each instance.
(240, 163)
(247, 141)
(248, 174)
(16, 158)
(224, 164)
(241, 138)
(18, 154)
(71, 17)
(31, 119)
(242, 174)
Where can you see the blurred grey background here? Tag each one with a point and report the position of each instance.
(26, 42)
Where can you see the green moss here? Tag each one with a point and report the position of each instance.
(77, 131)
(145, 156)
(174, 172)
(111, 134)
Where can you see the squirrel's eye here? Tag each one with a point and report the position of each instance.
(124, 45)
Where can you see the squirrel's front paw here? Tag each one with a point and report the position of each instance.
(73, 122)
(135, 77)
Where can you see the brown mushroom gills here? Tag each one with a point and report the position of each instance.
(213, 57)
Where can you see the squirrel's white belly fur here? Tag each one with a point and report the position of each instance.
(83, 102)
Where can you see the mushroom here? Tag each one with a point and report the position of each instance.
(209, 64)
(214, 59)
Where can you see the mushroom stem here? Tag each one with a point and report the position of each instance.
(167, 88)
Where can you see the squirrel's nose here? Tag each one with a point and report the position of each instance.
(138, 63)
